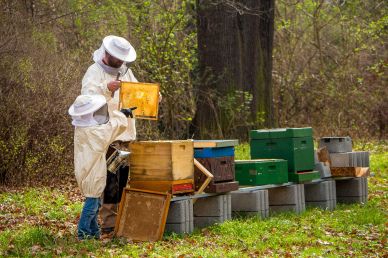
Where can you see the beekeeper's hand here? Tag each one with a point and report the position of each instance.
(114, 85)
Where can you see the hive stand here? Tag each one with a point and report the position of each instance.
(180, 219)
(321, 194)
(250, 203)
(287, 198)
(352, 190)
(211, 210)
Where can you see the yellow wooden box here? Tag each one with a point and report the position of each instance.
(161, 160)
(144, 96)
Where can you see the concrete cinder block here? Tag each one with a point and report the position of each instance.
(344, 159)
(325, 205)
(336, 144)
(202, 222)
(249, 201)
(353, 190)
(321, 191)
(286, 195)
(213, 209)
(247, 204)
(179, 211)
(350, 187)
(287, 198)
(180, 218)
(211, 206)
(324, 170)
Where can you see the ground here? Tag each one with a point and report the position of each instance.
(42, 222)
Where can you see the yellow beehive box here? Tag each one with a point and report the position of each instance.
(161, 160)
(143, 96)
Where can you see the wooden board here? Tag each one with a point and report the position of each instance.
(142, 215)
(144, 96)
(214, 143)
(349, 171)
(173, 187)
(162, 160)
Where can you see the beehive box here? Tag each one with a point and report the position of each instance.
(217, 156)
(292, 144)
(162, 165)
(161, 160)
(261, 171)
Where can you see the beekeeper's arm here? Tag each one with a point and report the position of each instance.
(93, 83)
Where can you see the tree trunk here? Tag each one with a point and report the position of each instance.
(235, 56)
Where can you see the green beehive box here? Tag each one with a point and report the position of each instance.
(261, 171)
(303, 177)
(292, 144)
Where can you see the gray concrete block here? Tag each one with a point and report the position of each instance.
(286, 195)
(351, 187)
(325, 205)
(202, 222)
(243, 214)
(344, 159)
(179, 211)
(283, 208)
(179, 228)
(287, 198)
(249, 201)
(211, 206)
(336, 144)
(228, 204)
(351, 199)
(317, 192)
(324, 171)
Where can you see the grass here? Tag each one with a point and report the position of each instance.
(42, 222)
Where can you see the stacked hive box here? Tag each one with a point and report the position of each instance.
(347, 163)
(217, 156)
(261, 171)
(163, 166)
(292, 144)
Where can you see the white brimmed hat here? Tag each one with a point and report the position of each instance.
(120, 48)
(86, 104)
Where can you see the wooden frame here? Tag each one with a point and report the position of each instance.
(143, 226)
(144, 96)
(208, 175)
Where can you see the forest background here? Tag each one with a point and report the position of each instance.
(329, 72)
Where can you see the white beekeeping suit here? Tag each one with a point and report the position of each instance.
(92, 136)
(98, 75)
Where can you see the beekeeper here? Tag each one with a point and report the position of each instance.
(111, 65)
(94, 130)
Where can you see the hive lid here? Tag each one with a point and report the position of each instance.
(255, 161)
(142, 215)
(281, 133)
(214, 143)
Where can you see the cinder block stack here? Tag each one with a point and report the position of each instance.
(211, 210)
(353, 190)
(180, 217)
(287, 198)
(250, 204)
(322, 194)
(347, 163)
(322, 167)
